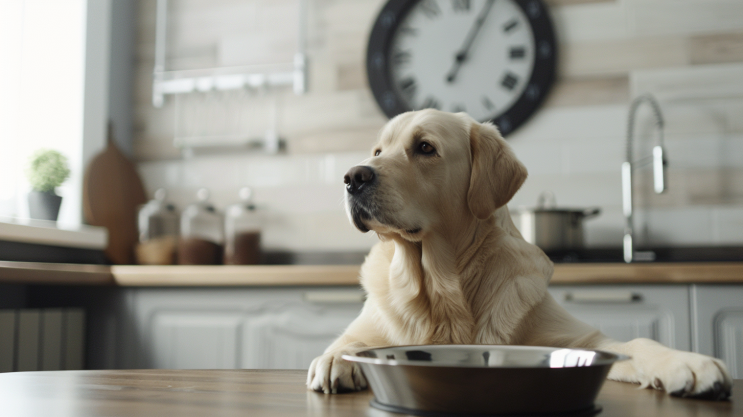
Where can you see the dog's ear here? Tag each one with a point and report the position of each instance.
(496, 173)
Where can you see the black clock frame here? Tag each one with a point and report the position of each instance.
(539, 84)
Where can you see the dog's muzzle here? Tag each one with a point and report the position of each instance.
(359, 180)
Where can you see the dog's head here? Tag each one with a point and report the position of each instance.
(431, 169)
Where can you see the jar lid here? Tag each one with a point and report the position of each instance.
(201, 204)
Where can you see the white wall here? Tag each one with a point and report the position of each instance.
(687, 52)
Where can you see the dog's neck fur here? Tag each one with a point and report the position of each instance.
(433, 276)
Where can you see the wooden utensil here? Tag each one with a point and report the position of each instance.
(112, 193)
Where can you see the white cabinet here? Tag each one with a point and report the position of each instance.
(718, 323)
(193, 340)
(286, 327)
(626, 312)
(235, 328)
(292, 336)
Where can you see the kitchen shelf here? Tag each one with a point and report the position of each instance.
(165, 82)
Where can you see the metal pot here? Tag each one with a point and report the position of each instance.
(552, 228)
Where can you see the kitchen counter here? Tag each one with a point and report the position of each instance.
(54, 233)
(263, 393)
(323, 275)
(28, 240)
(51, 273)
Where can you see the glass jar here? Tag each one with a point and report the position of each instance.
(201, 233)
(242, 231)
(158, 223)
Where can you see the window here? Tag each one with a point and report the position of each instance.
(42, 80)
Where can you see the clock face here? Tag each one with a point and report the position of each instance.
(493, 59)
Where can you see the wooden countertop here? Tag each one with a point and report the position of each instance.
(322, 275)
(228, 275)
(50, 273)
(262, 393)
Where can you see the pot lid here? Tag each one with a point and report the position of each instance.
(547, 203)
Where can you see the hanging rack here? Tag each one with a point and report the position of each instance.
(165, 82)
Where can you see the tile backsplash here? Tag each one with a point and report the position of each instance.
(300, 197)
(689, 53)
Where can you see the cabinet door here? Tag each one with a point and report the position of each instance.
(291, 336)
(718, 324)
(190, 340)
(658, 312)
(265, 328)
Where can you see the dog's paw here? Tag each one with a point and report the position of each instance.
(331, 374)
(690, 375)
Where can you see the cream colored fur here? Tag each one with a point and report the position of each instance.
(453, 268)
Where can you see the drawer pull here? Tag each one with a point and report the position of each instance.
(603, 297)
(334, 297)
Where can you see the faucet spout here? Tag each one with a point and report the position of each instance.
(659, 169)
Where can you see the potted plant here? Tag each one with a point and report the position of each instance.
(48, 169)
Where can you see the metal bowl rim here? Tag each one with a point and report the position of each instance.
(617, 357)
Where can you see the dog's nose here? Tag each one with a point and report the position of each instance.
(358, 177)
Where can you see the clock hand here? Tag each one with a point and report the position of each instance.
(461, 56)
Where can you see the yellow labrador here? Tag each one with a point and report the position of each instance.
(453, 268)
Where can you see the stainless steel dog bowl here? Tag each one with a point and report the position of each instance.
(485, 380)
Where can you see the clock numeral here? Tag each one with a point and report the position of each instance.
(461, 5)
(406, 29)
(401, 57)
(487, 103)
(408, 87)
(510, 25)
(509, 81)
(431, 103)
(430, 8)
(518, 52)
(458, 108)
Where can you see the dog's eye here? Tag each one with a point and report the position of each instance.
(377, 152)
(426, 148)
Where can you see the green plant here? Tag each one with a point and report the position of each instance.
(47, 170)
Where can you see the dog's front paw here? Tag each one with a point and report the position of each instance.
(691, 375)
(331, 374)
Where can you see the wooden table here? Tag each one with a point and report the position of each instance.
(261, 393)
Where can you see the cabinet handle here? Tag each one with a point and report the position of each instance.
(334, 297)
(603, 297)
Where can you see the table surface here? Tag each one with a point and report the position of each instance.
(261, 393)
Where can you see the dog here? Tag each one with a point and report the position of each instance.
(451, 267)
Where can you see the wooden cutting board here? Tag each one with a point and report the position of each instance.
(112, 194)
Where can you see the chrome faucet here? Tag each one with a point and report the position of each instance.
(659, 170)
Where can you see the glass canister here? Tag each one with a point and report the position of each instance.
(242, 231)
(158, 222)
(201, 233)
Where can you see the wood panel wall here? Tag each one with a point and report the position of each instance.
(602, 42)
(687, 52)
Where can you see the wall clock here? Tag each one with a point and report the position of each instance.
(494, 59)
